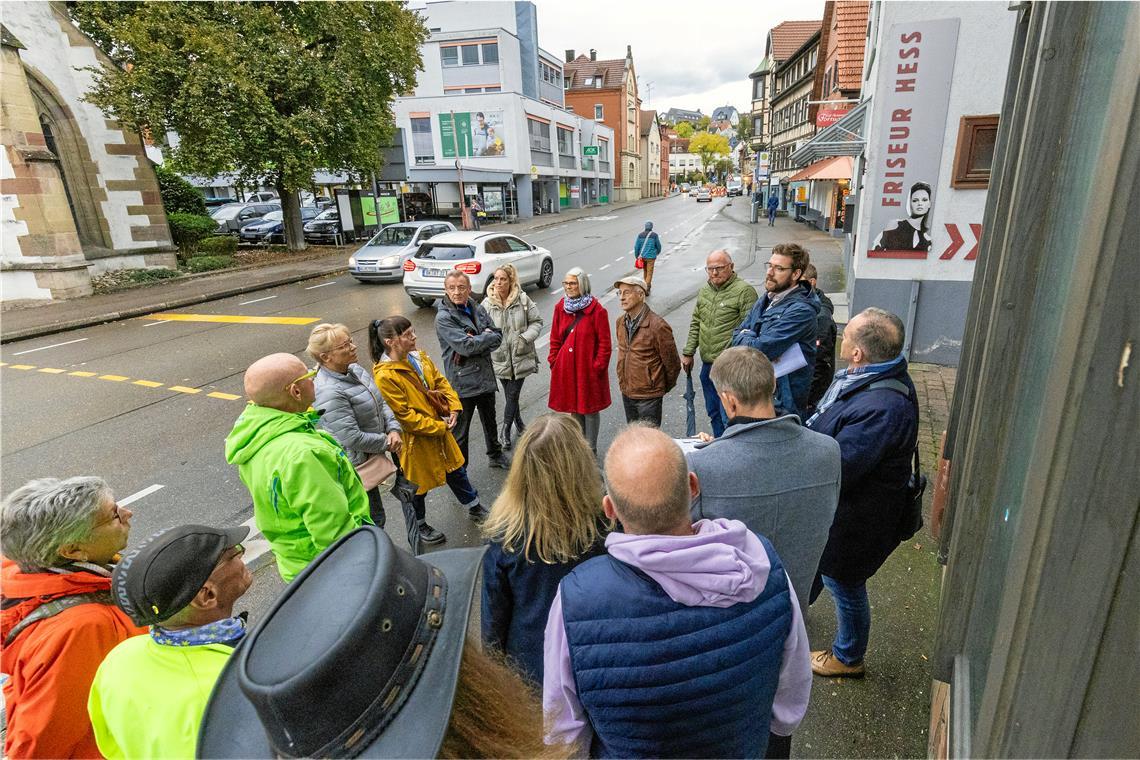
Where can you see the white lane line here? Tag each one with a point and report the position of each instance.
(323, 284)
(603, 266)
(138, 495)
(45, 348)
(619, 258)
(256, 300)
(159, 322)
(555, 292)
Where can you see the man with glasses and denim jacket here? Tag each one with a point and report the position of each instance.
(306, 493)
(783, 318)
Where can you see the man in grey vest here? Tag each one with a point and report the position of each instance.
(776, 477)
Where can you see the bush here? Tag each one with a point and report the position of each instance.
(150, 275)
(188, 230)
(178, 195)
(219, 245)
(209, 263)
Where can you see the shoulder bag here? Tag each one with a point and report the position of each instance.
(375, 471)
(437, 398)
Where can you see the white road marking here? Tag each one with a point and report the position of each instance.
(138, 495)
(555, 292)
(45, 348)
(159, 322)
(323, 284)
(255, 545)
(619, 258)
(257, 300)
(603, 266)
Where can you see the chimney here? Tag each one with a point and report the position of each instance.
(593, 54)
(569, 56)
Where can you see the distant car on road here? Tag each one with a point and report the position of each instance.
(324, 228)
(684, 187)
(271, 227)
(694, 190)
(704, 195)
(233, 216)
(382, 258)
(477, 254)
(735, 188)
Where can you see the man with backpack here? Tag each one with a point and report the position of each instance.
(645, 249)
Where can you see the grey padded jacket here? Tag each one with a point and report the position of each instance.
(354, 412)
(521, 324)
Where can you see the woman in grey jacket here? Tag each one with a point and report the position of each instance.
(517, 316)
(353, 411)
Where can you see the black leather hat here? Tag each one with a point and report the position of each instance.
(358, 658)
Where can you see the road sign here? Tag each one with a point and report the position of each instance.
(534, 172)
(589, 150)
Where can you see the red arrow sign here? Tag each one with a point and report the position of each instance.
(957, 241)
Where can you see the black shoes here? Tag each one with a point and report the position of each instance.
(478, 513)
(502, 461)
(505, 436)
(429, 535)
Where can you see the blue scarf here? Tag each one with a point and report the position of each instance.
(575, 305)
(844, 379)
(229, 632)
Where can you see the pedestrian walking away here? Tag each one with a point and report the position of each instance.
(695, 619)
(59, 539)
(579, 355)
(871, 409)
(648, 363)
(517, 316)
(467, 336)
(367, 655)
(150, 692)
(428, 409)
(306, 493)
(646, 248)
(773, 207)
(547, 520)
(784, 317)
(723, 302)
(769, 472)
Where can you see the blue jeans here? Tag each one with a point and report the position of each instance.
(853, 614)
(715, 409)
(459, 484)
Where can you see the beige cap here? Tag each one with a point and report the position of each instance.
(633, 280)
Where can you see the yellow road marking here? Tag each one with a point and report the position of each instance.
(147, 383)
(225, 396)
(51, 370)
(23, 366)
(184, 389)
(235, 319)
(114, 378)
(83, 374)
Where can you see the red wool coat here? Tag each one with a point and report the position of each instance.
(580, 363)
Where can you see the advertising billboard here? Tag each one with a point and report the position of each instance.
(472, 134)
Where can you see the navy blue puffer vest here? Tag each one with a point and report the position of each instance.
(660, 679)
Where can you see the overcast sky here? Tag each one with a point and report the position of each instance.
(695, 54)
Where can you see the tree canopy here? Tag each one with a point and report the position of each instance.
(268, 91)
(709, 147)
(684, 129)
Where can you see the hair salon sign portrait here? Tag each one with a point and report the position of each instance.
(912, 98)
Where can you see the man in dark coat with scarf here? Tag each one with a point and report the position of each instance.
(871, 409)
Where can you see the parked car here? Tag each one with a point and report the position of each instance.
(216, 202)
(704, 195)
(477, 254)
(324, 228)
(382, 258)
(262, 196)
(233, 216)
(735, 188)
(271, 227)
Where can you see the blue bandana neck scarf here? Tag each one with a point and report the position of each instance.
(229, 632)
(575, 305)
(844, 379)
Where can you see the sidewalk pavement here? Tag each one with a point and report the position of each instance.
(59, 316)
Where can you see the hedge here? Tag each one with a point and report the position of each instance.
(188, 230)
(178, 195)
(209, 263)
(219, 245)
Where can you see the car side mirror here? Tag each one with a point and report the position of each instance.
(533, 247)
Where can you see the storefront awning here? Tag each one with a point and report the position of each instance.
(843, 138)
(839, 167)
(449, 175)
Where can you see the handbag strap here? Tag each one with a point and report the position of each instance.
(899, 387)
(570, 329)
(419, 371)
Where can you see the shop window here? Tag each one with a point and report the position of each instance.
(974, 154)
(490, 52)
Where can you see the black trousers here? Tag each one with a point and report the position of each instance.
(642, 409)
(512, 389)
(484, 403)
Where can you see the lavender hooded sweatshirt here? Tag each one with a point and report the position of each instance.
(720, 564)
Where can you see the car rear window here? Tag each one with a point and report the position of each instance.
(445, 252)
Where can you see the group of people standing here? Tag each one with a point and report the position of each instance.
(658, 616)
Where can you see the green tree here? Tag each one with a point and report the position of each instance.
(684, 130)
(268, 91)
(178, 195)
(709, 147)
(703, 123)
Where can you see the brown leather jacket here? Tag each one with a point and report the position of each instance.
(648, 367)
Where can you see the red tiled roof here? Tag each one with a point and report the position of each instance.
(612, 72)
(790, 36)
(851, 33)
(646, 121)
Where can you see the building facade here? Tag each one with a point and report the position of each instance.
(677, 115)
(78, 195)
(792, 116)
(605, 90)
(651, 184)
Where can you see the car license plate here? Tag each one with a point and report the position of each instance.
(435, 272)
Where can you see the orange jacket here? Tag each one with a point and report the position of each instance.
(51, 663)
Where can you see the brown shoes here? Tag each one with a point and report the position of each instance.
(825, 663)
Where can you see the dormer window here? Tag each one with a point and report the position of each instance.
(589, 81)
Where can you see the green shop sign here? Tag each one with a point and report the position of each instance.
(589, 150)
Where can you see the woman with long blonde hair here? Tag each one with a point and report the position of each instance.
(548, 519)
(518, 317)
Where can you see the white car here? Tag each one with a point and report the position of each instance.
(704, 195)
(382, 258)
(476, 254)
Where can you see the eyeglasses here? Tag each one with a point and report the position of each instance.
(310, 374)
(346, 344)
(778, 268)
(569, 283)
(116, 516)
(714, 270)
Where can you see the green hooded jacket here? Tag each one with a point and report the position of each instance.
(718, 312)
(306, 493)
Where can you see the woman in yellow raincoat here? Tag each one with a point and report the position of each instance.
(430, 457)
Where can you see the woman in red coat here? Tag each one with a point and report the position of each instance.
(580, 355)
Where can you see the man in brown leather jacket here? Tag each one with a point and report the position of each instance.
(648, 363)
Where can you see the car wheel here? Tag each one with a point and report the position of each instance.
(422, 302)
(546, 274)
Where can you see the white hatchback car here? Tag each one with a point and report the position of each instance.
(382, 258)
(476, 254)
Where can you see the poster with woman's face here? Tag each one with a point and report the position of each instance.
(912, 232)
